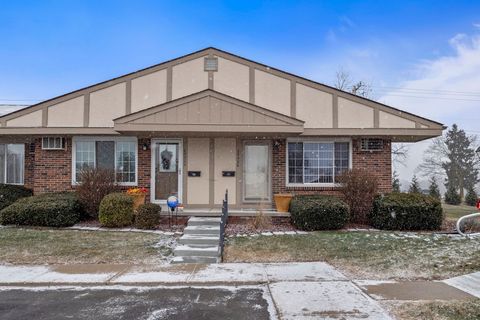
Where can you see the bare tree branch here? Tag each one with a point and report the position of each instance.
(400, 153)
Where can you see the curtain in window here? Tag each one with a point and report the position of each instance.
(15, 163)
(317, 162)
(2, 163)
(126, 162)
(84, 157)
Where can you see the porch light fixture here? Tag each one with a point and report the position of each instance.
(145, 146)
(276, 145)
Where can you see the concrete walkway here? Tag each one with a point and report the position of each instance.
(292, 290)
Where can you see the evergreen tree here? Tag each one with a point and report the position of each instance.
(471, 197)
(433, 189)
(460, 165)
(452, 196)
(395, 182)
(414, 186)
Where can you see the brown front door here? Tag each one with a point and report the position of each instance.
(167, 169)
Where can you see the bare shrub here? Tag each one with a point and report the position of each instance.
(95, 184)
(261, 221)
(358, 187)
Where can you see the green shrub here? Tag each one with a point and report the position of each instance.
(10, 193)
(452, 196)
(148, 216)
(47, 210)
(318, 212)
(406, 211)
(471, 197)
(116, 210)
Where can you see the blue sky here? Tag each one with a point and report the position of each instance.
(412, 52)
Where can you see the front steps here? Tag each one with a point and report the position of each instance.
(200, 241)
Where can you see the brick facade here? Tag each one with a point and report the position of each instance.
(379, 163)
(51, 170)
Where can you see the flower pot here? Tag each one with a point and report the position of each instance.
(282, 201)
(138, 200)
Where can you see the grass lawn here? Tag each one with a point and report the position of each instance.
(366, 255)
(438, 310)
(455, 212)
(47, 246)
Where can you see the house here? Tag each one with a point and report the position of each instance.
(197, 125)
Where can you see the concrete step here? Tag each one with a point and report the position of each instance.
(184, 250)
(199, 240)
(203, 221)
(177, 260)
(205, 230)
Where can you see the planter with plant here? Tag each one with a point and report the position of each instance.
(138, 195)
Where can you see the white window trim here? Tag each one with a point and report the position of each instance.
(317, 140)
(104, 138)
(6, 166)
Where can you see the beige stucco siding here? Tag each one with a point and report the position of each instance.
(225, 160)
(388, 120)
(189, 77)
(67, 114)
(315, 107)
(354, 115)
(198, 188)
(149, 90)
(272, 92)
(232, 79)
(33, 119)
(106, 105)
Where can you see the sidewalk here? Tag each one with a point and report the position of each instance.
(292, 290)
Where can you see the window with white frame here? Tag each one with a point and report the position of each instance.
(12, 163)
(316, 162)
(118, 155)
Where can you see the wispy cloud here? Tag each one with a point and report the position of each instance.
(445, 89)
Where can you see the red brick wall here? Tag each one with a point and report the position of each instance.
(52, 169)
(29, 165)
(379, 163)
(144, 168)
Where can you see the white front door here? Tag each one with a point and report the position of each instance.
(167, 164)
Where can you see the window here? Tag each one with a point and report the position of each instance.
(53, 143)
(118, 155)
(12, 162)
(312, 162)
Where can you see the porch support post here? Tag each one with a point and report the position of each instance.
(211, 184)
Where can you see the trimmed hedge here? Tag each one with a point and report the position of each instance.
(318, 212)
(10, 193)
(147, 216)
(406, 211)
(116, 210)
(46, 210)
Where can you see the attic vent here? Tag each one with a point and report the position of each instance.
(53, 143)
(370, 144)
(211, 64)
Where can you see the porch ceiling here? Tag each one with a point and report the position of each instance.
(208, 111)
